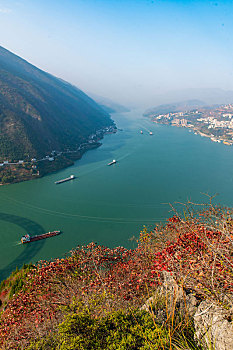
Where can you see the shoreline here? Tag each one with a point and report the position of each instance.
(198, 132)
(61, 161)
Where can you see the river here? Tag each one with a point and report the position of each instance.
(111, 204)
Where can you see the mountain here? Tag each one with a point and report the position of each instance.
(209, 95)
(174, 107)
(108, 105)
(40, 113)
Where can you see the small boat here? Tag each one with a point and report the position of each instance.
(28, 239)
(113, 162)
(151, 133)
(141, 132)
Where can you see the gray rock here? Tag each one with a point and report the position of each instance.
(214, 327)
(169, 297)
(213, 324)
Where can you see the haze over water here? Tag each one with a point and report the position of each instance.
(129, 51)
(109, 205)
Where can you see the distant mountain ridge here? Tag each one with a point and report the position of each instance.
(40, 113)
(210, 96)
(175, 107)
(108, 105)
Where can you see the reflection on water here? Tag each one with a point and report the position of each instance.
(30, 250)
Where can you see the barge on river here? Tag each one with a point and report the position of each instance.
(113, 162)
(64, 180)
(28, 239)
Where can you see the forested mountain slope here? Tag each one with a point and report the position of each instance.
(40, 113)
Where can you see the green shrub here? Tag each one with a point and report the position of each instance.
(2, 285)
(17, 285)
(116, 331)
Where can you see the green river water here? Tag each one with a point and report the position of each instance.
(109, 205)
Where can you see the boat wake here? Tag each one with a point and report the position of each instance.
(16, 243)
(117, 220)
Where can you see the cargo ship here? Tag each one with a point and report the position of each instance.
(113, 162)
(64, 180)
(28, 239)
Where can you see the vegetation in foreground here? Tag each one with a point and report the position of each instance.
(92, 299)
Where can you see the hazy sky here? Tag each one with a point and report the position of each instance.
(126, 50)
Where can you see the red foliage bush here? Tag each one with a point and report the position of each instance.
(197, 251)
(201, 256)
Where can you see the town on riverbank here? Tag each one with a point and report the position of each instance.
(17, 170)
(215, 122)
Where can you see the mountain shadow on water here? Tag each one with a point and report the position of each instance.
(30, 250)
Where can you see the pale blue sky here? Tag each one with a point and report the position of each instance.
(126, 50)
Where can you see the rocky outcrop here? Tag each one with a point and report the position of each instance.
(214, 326)
(173, 297)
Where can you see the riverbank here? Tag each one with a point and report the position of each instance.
(213, 122)
(20, 171)
(24, 172)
